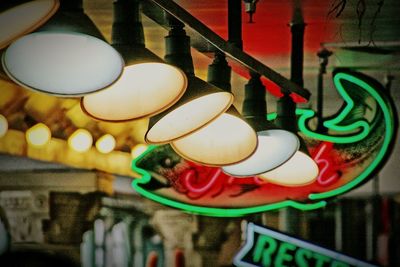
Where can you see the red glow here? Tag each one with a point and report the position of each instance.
(297, 98)
(324, 157)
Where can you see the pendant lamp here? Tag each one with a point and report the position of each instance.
(200, 105)
(147, 86)
(226, 140)
(67, 56)
(15, 21)
(275, 146)
(300, 169)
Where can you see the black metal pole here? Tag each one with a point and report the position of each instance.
(323, 55)
(287, 108)
(219, 72)
(177, 47)
(297, 27)
(127, 28)
(254, 104)
(235, 23)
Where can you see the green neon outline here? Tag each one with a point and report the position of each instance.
(389, 131)
(305, 114)
(251, 244)
(216, 212)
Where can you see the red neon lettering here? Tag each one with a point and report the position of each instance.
(325, 166)
(190, 177)
(199, 180)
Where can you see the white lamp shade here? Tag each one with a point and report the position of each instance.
(143, 90)
(25, 18)
(189, 117)
(63, 64)
(299, 170)
(275, 147)
(226, 140)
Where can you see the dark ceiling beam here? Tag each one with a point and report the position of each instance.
(206, 41)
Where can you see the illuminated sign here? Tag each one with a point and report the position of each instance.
(356, 144)
(265, 247)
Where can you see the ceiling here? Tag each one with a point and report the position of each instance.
(377, 39)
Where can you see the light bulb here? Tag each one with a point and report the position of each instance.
(106, 143)
(38, 135)
(81, 140)
(3, 125)
(137, 150)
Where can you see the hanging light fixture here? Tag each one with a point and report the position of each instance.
(275, 146)
(300, 169)
(226, 140)
(147, 86)
(201, 103)
(15, 21)
(66, 57)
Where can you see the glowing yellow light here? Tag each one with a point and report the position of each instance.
(138, 93)
(226, 140)
(81, 140)
(106, 143)
(38, 135)
(3, 125)
(138, 150)
(299, 170)
(19, 24)
(188, 117)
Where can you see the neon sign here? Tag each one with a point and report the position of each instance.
(265, 247)
(357, 142)
(323, 157)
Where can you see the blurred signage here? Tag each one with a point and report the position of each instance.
(265, 247)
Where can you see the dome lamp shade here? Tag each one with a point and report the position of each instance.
(275, 147)
(62, 64)
(147, 86)
(137, 94)
(67, 56)
(226, 140)
(299, 170)
(201, 104)
(15, 21)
